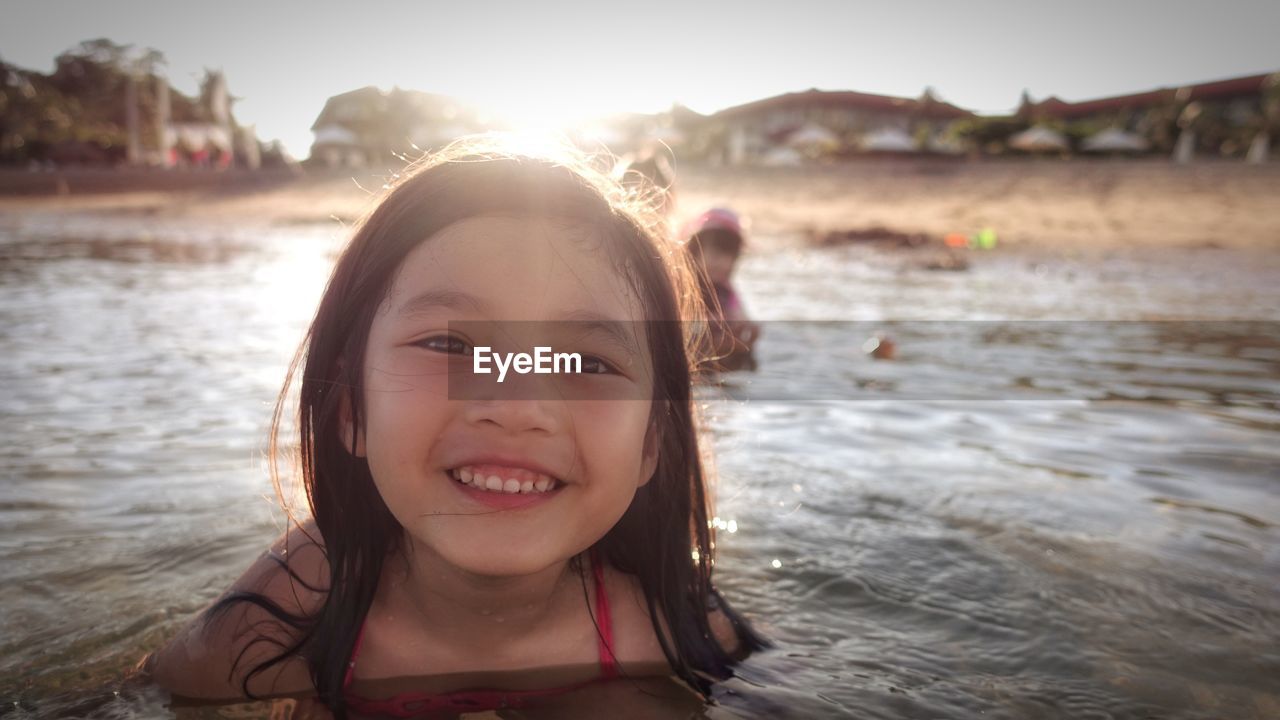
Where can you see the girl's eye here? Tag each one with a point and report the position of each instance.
(448, 344)
(592, 365)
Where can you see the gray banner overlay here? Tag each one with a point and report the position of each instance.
(1208, 362)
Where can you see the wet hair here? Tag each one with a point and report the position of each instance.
(664, 537)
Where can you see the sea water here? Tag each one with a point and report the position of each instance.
(1059, 499)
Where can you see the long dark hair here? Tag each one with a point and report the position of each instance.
(663, 538)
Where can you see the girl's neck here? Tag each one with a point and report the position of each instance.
(451, 600)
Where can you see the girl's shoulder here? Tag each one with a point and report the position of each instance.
(213, 655)
(635, 640)
(636, 637)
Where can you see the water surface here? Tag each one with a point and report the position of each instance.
(1024, 518)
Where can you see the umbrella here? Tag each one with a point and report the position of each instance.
(1038, 139)
(781, 157)
(194, 137)
(945, 146)
(1115, 140)
(335, 135)
(812, 135)
(888, 140)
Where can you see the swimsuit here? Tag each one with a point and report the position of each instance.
(407, 705)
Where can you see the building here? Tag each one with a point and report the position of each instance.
(369, 125)
(203, 133)
(1222, 117)
(842, 119)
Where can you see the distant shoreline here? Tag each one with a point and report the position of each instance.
(105, 181)
(1073, 203)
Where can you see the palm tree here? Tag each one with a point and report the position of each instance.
(1185, 148)
(1269, 100)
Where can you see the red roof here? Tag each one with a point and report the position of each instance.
(1229, 88)
(1232, 87)
(845, 99)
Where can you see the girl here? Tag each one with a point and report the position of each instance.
(715, 239)
(464, 537)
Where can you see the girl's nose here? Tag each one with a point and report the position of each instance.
(517, 407)
(519, 415)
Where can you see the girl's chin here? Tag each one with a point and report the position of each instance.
(503, 558)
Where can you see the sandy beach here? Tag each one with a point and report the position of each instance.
(1079, 204)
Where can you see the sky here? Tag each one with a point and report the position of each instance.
(551, 61)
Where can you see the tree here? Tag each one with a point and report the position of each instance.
(79, 111)
(988, 134)
(1269, 120)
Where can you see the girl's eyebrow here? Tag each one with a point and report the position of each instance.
(591, 323)
(585, 322)
(431, 299)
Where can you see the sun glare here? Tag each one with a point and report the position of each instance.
(547, 141)
(564, 109)
(534, 109)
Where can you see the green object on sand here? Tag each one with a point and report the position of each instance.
(985, 239)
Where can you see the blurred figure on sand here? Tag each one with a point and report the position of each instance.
(715, 240)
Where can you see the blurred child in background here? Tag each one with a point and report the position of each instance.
(715, 240)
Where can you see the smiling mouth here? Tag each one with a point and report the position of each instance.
(504, 481)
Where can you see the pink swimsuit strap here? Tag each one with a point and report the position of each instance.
(412, 704)
(604, 622)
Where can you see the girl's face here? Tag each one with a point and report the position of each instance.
(434, 457)
(719, 264)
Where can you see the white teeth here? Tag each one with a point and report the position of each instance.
(494, 483)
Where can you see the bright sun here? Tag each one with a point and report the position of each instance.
(560, 109)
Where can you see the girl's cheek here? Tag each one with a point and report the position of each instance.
(613, 411)
(413, 372)
(610, 425)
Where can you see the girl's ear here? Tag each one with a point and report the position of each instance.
(352, 440)
(649, 453)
